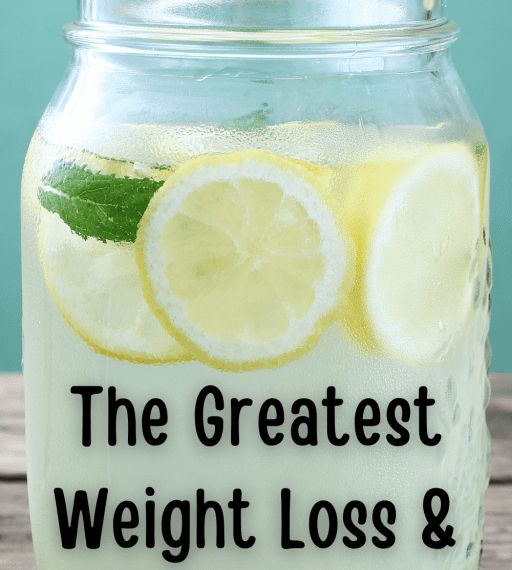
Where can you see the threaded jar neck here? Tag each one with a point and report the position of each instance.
(263, 14)
(263, 28)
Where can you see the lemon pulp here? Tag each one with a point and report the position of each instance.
(243, 258)
(416, 225)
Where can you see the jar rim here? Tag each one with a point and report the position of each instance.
(207, 42)
(262, 14)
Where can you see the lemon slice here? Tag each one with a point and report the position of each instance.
(243, 259)
(97, 289)
(416, 226)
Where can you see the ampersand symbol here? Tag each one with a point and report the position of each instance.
(434, 536)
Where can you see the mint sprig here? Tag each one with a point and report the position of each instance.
(250, 122)
(480, 149)
(95, 205)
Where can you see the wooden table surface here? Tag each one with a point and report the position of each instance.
(15, 541)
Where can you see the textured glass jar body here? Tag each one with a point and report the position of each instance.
(376, 249)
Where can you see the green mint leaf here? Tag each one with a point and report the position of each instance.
(102, 206)
(250, 122)
(480, 149)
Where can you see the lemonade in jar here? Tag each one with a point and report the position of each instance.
(257, 275)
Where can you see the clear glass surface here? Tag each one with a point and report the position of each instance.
(356, 118)
(263, 14)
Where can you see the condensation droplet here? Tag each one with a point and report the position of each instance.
(489, 272)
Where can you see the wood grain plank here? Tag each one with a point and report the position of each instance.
(16, 546)
(15, 537)
(499, 417)
(498, 535)
(12, 428)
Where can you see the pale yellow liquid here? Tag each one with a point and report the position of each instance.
(56, 358)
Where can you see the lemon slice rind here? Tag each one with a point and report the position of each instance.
(296, 182)
(420, 323)
(82, 296)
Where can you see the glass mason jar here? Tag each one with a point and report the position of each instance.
(256, 257)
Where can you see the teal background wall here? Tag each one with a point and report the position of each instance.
(33, 57)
